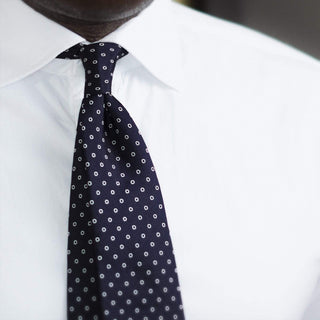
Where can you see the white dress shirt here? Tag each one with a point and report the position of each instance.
(232, 121)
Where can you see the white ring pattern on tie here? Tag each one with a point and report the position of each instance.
(120, 257)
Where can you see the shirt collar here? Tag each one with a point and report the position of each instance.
(30, 41)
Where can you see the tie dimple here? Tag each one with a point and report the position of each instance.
(120, 256)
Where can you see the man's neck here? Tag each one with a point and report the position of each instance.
(91, 31)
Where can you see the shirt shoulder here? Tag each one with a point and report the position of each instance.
(236, 65)
(209, 35)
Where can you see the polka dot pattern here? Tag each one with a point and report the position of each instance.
(120, 256)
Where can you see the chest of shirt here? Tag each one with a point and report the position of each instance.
(240, 186)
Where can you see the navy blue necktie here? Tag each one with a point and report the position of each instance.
(120, 257)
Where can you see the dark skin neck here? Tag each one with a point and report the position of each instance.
(91, 29)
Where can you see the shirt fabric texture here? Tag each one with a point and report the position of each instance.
(231, 120)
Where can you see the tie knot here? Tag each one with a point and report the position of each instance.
(99, 61)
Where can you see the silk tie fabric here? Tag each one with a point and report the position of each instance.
(120, 256)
